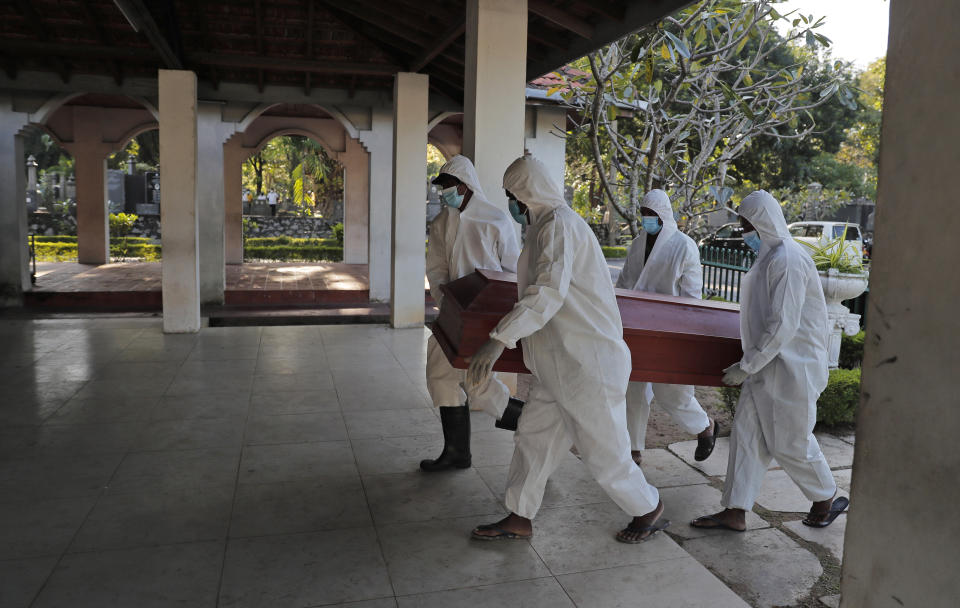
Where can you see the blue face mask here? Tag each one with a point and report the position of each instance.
(752, 239)
(518, 216)
(651, 224)
(451, 197)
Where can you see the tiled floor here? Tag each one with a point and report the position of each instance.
(145, 276)
(277, 467)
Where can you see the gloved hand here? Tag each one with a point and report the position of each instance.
(734, 375)
(481, 363)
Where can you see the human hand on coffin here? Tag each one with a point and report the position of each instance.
(734, 375)
(481, 363)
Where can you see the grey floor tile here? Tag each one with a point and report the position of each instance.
(296, 461)
(176, 469)
(21, 579)
(207, 405)
(212, 368)
(119, 370)
(222, 352)
(156, 517)
(766, 566)
(295, 428)
(310, 505)
(146, 577)
(685, 503)
(536, 593)
(830, 538)
(69, 439)
(391, 423)
(418, 496)
(362, 396)
(190, 434)
(294, 402)
(663, 469)
(34, 529)
(490, 448)
(838, 452)
(779, 493)
(395, 454)
(440, 555)
(386, 602)
(677, 583)
(56, 476)
(304, 570)
(124, 387)
(313, 382)
(199, 383)
(713, 466)
(570, 485)
(274, 366)
(92, 410)
(577, 539)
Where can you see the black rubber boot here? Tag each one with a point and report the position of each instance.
(511, 415)
(456, 441)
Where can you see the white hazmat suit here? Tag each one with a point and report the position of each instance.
(482, 236)
(783, 328)
(673, 269)
(568, 322)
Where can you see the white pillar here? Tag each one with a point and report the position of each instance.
(90, 169)
(379, 143)
(211, 133)
(408, 265)
(178, 208)
(233, 157)
(545, 138)
(494, 89)
(356, 203)
(901, 540)
(14, 255)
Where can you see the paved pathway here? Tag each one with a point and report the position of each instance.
(277, 467)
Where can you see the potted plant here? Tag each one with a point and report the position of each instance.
(842, 277)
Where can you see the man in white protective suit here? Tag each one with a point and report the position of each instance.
(664, 260)
(469, 233)
(568, 322)
(783, 328)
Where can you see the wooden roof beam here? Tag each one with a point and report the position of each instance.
(429, 54)
(256, 62)
(377, 20)
(606, 8)
(309, 53)
(141, 20)
(560, 17)
(33, 18)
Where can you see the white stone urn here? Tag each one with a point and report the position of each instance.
(837, 287)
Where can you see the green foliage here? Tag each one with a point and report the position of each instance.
(122, 223)
(289, 253)
(614, 252)
(338, 233)
(851, 350)
(811, 202)
(65, 238)
(269, 241)
(834, 254)
(837, 403)
(299, 168)
(53, 251)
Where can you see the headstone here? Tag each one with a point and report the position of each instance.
(115, 191)
(33, 197)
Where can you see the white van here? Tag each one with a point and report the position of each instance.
(822, 233)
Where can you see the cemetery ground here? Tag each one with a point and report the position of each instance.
(277, 466)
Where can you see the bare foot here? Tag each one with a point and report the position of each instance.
(707, 432)
(510, 527)
(637, 456)
(728, 519)
(643, 527)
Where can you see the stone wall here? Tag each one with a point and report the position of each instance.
(148, 226)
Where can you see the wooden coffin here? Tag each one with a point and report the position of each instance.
(673, 340)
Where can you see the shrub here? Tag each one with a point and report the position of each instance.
(269, 241)
(56, 252)
(614, 252)
(61, 238)
(62, 252)
(122, 223)
(287, 253)
(851, 350)
(837, 403)
(338, 233)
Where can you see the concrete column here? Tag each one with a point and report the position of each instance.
(90, 169)
(14, 255)
(356, 207)
(233, 157)
(408, 264)
(901, 540)
(211, 133)
(178, 211)
(379, 143)
(494, 89)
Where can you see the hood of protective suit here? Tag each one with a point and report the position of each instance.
(529, 180)
(658, 202)
(461, 168)
(764, 212)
